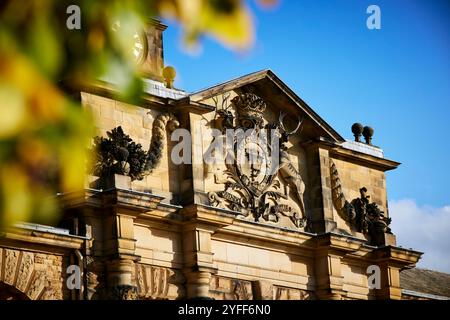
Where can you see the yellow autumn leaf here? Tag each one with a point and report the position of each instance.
(43, 135)
(229, 21)
(15, 193)
(234, 28)
(12, 110)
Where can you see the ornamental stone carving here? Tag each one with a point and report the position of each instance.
(256, 160)
(50, 294)
(281, 293)
(18, 269)
(119, 154)
(265, 290)
(236, 289)
(153, 282)
(230, 289)
(25, 269)
(361, 214)
(123, 292)
(11, 260)
(37, 285)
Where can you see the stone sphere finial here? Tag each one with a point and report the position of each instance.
(357, 129)
(169, 75)
(368, 133)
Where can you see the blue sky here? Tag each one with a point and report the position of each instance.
(396, 79)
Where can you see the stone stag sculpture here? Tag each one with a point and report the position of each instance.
(119, 154)
(286, 169)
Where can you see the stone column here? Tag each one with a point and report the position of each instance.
(198, 284)
(119, 280)
(122, 252)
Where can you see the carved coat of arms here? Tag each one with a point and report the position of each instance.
(256, 159)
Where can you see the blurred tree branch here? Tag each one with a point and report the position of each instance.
(43, 132)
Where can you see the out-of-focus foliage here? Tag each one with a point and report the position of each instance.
(43, 131)
(227, 20)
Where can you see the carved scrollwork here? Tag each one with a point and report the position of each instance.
(153, 282)
(364, 216)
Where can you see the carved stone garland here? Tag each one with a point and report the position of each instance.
(119, 154)
(361, 214)
(253, 188)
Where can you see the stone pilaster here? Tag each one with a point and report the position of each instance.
(390, 283)
(329, 279)
(391, 260)
(198, 259)
(320, 188)
(121, 206)
(331, 250)
(121, 250)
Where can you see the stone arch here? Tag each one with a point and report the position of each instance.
(8, 292)
(19, 275)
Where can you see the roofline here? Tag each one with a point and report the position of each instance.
(256, 76)
(296, 98)
(229, 83)
(424, 295)
(47, 229)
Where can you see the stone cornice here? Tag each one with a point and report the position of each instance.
(224, 224)
(40, 240)
(396, 256)
(364, 159)
(339, 152)
(133, 202)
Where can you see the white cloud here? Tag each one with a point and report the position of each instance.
(425, 229)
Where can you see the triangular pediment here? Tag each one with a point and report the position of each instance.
(278, 96)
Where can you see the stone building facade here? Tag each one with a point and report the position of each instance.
(306, 220)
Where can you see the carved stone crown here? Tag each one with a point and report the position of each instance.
(249, 107)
